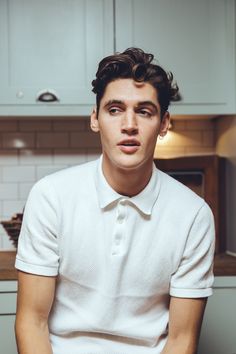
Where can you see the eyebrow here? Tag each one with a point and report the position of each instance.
(110, 102)
(139, 104)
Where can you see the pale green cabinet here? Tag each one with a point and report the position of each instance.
(218, 335)
(52, 48)
(7, 317)
(218, 329)
(193, 39)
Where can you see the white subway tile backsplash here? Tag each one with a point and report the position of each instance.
(18, 173)
(78, 124)
(69, 156)
(85, 140)
(42, 171)
(35, 125)
(8, 191)
(11, 207)
(24, 189)
(18, 140)
(2, 234)
(35, 157)
(6, 243)
(52, 140)
(8, 157)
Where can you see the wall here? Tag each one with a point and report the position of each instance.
(187, 138)
(30, 149)
(226, 146)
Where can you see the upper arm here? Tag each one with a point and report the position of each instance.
(35, 296)
(185, 318)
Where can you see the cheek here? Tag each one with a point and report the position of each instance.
(107, 134)
(150, 134)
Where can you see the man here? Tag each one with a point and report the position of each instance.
(115, 256)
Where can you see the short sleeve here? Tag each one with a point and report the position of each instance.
(194, 276)
(37, 251)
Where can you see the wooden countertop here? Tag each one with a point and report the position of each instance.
(224, 265)
(7, 269)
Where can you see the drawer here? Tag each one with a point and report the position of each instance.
(7, 303)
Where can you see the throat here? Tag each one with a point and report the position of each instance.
(127, 182)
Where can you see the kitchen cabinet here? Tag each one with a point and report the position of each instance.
(51, 49)
(193, 39)
(218, 329)
(7, 316)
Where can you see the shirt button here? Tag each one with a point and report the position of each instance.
(121, 218)
(118, 238)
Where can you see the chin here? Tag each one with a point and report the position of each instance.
(131, 163)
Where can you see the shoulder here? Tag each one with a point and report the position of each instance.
(177, 194)
(66, 181)
(72, 173)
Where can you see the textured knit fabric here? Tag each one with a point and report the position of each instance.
(118, 259)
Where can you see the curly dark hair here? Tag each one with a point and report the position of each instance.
(135, 64)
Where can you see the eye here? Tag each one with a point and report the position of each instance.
(114, 110)
(145, 113)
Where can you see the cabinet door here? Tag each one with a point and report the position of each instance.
(55, 45)
(219, 324)
(7, 317)
(193, 39)
(7, 336)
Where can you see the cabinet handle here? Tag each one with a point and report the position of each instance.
(47, 96)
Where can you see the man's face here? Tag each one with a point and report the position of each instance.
(129, 123)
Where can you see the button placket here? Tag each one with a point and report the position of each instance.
(118, 235)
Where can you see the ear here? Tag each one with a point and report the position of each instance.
(94, 124)
(165, 122)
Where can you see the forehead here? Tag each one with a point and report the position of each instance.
(128, 90)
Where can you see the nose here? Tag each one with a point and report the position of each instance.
(129, 123)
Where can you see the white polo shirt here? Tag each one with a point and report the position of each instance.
(118, 259)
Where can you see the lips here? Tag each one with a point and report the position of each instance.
(129, 142)
(129, 146)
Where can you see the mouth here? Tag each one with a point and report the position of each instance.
(129, 142)
(129, 145)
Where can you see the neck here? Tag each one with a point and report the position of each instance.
(127, 182)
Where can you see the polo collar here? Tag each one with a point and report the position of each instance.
(144, 201)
